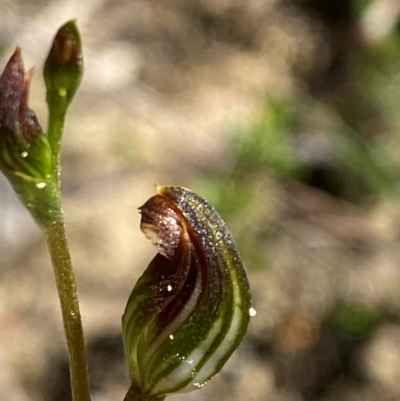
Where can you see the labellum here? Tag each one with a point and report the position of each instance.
(190, 309)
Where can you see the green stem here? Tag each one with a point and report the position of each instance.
(66, 287)
(60, 256)
(135, 395)
(55, 132)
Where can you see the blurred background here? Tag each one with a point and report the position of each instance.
(284, 114)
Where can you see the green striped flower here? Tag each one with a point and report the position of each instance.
(190, 309)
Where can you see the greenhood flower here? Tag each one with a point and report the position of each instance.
(190, 309)
(24, 147)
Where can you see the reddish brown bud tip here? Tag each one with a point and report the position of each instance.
(17, 122)
(66, 49)
(23, 145)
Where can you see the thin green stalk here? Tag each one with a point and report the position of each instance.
(66, 287)
(55, 130)
(62, 72)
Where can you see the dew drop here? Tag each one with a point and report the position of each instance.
(200, 385)
(41, 185)
(62, 92)
(252, 312)
(171, 336)
(169, 288)
(24, 154)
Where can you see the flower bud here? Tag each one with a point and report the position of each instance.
(63, 68)
(190, 309)
(23, 145)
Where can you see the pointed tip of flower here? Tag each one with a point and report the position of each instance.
(66, 49)
(159, 188)
(13, 72)
(163, 189)
(17, 53)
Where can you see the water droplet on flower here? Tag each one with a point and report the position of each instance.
(62, 92)
(41, 185)
(199, 385)
(169, 288)
(24, 154)
(252, 312)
